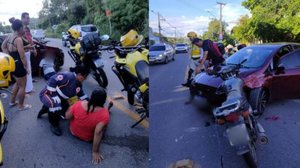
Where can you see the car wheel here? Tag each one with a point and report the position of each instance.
(166, 60)
(258, 100)
(173, 58)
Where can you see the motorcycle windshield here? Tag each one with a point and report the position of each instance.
(142, 71)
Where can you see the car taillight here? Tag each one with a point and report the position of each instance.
(232, 117)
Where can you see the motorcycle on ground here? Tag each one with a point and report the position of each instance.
(86, 52)
(132, 68)
(242, 129)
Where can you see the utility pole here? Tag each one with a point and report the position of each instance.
(175, 34)
(221, 27)
(159, 27)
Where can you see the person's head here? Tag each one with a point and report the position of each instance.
(97, 99)
(25, 18)
(81, 72)
(198, 42)
(17, 25)
(192, 35)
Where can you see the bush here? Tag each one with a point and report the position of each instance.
(63, 27)
(50, 33)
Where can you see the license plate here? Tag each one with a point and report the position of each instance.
(238, 135)
(99, 63)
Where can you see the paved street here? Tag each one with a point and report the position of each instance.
(28, 141)
(181, 131)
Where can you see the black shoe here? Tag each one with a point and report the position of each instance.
(56, 130)
(186, 84)
(44, 110)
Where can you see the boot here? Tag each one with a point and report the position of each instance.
(43, 110)
(56, 130)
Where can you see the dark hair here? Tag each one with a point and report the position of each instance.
(97, 99)
(196, 40)
(11, 20)
(24, 14)
(16, 25)
(83, 70)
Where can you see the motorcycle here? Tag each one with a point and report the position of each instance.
(86, 52)
(242, 129)
(3, 127)
(132, 68)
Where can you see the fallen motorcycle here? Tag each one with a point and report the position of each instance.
(242, 129)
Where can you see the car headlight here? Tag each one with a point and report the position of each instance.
(160, 56)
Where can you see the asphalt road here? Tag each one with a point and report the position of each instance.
(179, 131)
(28, 141)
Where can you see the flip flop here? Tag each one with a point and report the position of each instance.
(13, 104)
(26, 107)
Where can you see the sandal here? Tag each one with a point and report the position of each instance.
(25, 107)
(13, 104)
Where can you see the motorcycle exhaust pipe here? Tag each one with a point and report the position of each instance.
(262, 138)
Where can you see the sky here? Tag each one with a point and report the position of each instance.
(192, 15)
(14, 8)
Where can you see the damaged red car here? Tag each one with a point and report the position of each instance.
(272, 71)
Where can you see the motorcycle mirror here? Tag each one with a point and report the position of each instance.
(104, 37)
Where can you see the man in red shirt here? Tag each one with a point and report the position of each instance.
(88, 120)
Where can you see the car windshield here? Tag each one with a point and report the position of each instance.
(254, 56)
(180, 45)
(88, 28)
(157, 48)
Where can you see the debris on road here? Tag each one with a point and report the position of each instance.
(273, 118)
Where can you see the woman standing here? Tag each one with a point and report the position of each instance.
(13, 45)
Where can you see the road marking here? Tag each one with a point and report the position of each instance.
(180, 89)
(167, 101)
(130, 113)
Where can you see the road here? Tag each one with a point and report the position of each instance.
(28, 141)
(181, 131)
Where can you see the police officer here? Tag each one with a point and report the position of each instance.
(60, 88)
(196, 55)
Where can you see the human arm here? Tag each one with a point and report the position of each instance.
(98, 134)
(69, 114)
(4, 45)
(202, 61)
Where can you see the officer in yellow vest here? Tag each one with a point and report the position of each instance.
(196, 55)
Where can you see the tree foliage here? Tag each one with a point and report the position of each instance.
(125, 14)
(271, 21)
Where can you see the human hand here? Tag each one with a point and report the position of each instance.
(97, 158)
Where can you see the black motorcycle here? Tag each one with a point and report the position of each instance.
(242, 129)
(86, 52)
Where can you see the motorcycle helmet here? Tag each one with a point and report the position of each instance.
(7, 67)
(192, 34)
(131, 39)
(74, 33)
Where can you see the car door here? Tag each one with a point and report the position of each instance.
(285, 82)
(168, 51)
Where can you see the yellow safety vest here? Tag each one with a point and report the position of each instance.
(195, 53)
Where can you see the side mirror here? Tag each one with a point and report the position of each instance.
(280, 70)
(104, 37)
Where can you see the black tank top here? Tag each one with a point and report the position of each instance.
(14, 54)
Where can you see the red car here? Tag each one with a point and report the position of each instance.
(42, 50)
(272, 71)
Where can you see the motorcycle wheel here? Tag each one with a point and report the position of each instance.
(251, 157)
(130, 97)
(258, 100)
(101, 78)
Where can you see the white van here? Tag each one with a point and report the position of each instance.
(85, 29)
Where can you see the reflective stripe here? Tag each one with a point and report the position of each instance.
(54, 109)
(51, 89)
(61, 93)
(83, 97)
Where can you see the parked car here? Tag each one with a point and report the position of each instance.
(85, 29)
(271, 71)
(42, 50)
(65, 39)
(181, 47)
(161, 53)
(38, 34)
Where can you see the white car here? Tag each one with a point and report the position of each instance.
(85, 29)
(181, 47)
(65, 39)
(38, 34)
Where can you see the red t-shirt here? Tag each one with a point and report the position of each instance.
(83, 125)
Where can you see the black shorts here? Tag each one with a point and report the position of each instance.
(20, 71)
